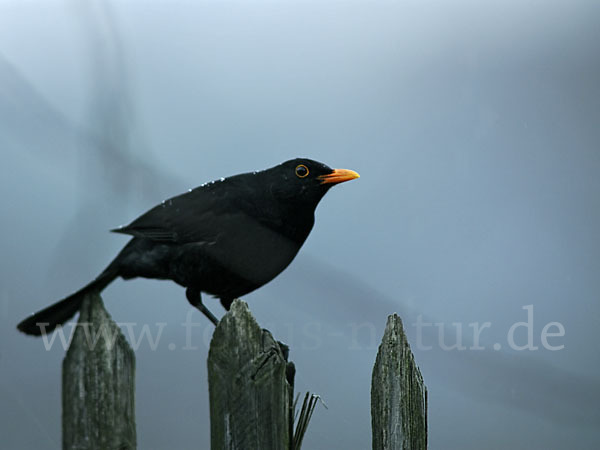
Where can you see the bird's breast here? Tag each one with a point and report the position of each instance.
(252, 250)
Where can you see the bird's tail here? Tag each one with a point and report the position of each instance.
(49, 318)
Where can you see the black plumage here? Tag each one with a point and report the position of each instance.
(226, 238)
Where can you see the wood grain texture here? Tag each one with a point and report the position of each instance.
(98, 384)
(250, 396)
(398, 394)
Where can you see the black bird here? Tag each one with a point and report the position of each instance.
(226, 238)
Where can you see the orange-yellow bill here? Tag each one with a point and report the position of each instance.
(339, 176)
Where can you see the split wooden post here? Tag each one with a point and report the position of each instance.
(250, 386)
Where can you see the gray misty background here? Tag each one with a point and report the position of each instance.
(475, 127)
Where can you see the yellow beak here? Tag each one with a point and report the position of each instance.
(338, 176)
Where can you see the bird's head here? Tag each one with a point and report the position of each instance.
(303, 180)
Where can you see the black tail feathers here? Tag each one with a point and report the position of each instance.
(49, 318)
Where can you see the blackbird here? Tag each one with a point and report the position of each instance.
(226, 238)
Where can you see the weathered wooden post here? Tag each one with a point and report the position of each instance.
(398, 394)
(250, 386)
(98, 384)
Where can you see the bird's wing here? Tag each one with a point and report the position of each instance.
(191, 217)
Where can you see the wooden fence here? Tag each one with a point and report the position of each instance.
(98, 384)
(251, 388)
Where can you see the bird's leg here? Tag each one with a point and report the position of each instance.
(195, 298)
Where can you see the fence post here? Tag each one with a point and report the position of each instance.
(98, 384)
(398, 394)
(250, 386)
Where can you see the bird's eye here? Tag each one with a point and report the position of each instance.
(301, 171)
